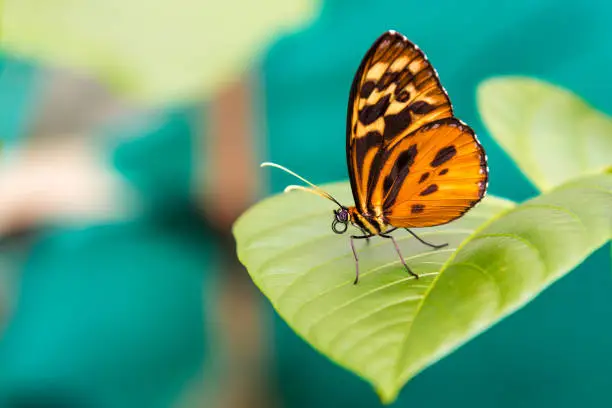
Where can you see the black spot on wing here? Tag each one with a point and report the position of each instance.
(395, 124)
(417, 208)
(370, 113)
(423, 177)
(366, 89)
(443, 172)
(443, 155)
(432, 188)
(406, 158)
(421, 107)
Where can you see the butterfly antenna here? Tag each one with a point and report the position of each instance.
(314, 190)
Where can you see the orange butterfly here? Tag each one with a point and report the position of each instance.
(411, 162)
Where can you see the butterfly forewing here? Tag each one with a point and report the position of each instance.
(394, 93)
(410, 161)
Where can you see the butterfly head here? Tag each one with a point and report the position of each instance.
(341, 220)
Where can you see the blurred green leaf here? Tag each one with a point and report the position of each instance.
(153, 51)
(552, 134)
(390, 326)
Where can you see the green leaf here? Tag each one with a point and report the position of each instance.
(552, 134)
(151, 51)
(390, 326)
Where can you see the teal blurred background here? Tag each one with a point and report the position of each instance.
(133, 312)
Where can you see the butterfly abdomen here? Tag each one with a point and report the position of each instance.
(372, 225)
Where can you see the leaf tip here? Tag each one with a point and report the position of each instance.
(387, 394)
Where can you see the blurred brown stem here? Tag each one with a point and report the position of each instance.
(231, 184)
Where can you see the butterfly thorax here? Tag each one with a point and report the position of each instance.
(367, 223)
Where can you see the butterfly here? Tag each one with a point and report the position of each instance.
(411, 163)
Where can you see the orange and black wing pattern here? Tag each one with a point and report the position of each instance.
(410, 161)
(433, 176)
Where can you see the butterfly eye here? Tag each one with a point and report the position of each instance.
(340, 222)
(341, 215)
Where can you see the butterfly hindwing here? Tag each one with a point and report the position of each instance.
(432, 176)
(395, 92)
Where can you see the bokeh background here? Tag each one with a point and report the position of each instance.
(119, 284)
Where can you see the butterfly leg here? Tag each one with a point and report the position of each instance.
(400, 255)
(367, 236)
(434, 246)
(353, 237)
